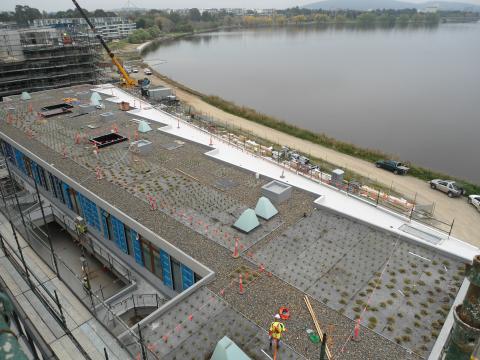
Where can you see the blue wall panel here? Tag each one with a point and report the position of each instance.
(119, 234)
(167, 269)
(104, 223)
(66, 195)
(137, 248)
(90, 211)
(34, 167)
(19, 161)
(187, 277)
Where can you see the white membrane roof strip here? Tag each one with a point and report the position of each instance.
(328, 197)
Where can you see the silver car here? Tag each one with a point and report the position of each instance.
(449, 187)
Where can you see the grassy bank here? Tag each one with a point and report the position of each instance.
(371, 155)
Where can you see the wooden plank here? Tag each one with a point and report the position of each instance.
(87, 345)
(63, 350)
(317, 325)
(40, 264)
(42, 328)
(15, 275)
(82, 313)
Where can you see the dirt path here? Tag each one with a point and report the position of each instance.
(467, 219)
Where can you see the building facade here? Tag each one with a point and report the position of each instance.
(173, 268)
(111, 28)
(45, 58)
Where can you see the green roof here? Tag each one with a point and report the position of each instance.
(247, 221)
(226, 349)
(265, 208)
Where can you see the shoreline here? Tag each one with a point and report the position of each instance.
(466, 217)
(321, 139)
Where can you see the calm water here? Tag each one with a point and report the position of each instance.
(412, 93)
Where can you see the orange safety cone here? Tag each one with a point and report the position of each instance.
(241, 290)
(98, 173)
(356, 331)
(235, 254)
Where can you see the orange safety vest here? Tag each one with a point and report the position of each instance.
(276, 330)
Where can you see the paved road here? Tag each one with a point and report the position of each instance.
(467, 219)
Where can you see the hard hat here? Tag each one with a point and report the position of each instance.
(277, 316)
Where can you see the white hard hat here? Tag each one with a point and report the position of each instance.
(277, 316)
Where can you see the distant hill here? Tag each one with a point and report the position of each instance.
(389, 4)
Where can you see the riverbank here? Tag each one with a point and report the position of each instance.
(466, 225)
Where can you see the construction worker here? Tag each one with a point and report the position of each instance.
(276, 330)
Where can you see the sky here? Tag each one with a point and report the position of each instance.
(56, 5)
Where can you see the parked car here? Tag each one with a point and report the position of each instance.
(475, 201)
(147, 71)
(449, 187)
(134, 70)
(394, 166)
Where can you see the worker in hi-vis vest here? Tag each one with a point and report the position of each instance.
(276, 330)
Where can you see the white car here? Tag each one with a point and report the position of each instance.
(474, 200)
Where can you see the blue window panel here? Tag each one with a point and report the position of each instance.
(166, 269)
(187, 277)
(104, 224)
(66, 195)
(8, 150)
(35, 174)
(19, 161)
(119, 234)
(90, 212)
(137, 248)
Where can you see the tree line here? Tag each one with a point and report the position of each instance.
(23, 15)
(151, 23)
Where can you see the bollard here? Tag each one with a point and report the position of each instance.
(356, 331)
(241, 290)
(235, 254)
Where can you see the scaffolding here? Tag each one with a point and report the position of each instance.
(46, 58)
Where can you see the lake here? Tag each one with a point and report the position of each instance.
(413, 93)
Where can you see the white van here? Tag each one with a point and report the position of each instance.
(147, 71)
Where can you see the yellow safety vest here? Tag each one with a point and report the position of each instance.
(276, 330)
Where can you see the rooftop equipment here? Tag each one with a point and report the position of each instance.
(265, 209)
(107, 140)
(143, 127)
(226, 349)
(25, 96)
(277, 191)
(247, 221)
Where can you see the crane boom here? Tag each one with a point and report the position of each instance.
(128, 80)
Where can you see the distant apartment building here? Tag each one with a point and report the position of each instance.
(37, 59)
(111, 28)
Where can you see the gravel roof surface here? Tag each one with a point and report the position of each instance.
(265, 294)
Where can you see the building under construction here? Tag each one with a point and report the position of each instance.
(37, 59)
(128, 232)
